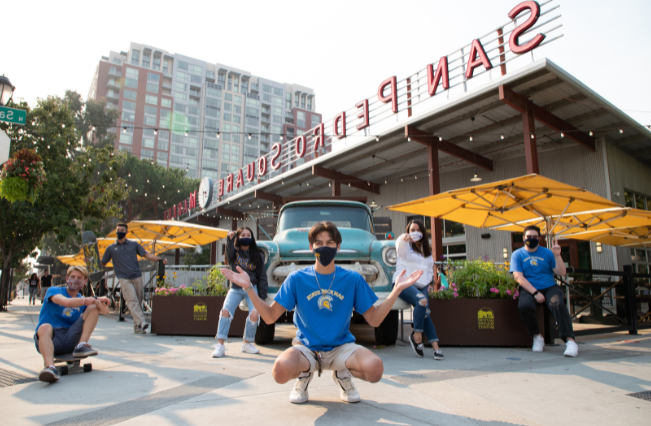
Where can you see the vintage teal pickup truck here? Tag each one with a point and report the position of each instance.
(360, 251)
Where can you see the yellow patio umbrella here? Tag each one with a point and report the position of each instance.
(639, 236)
(508, 203)
(72, 259)
(627, 221)
(173, 231)
(152, 246)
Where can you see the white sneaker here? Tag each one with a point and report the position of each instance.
(219, 351)
(347, 390)
(538, 343)
(571, 349)
(248, 348)
(299, 394)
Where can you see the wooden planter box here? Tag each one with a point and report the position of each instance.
(192, 316)
(481, 322)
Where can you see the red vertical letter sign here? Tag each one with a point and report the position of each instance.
(441, 72)
(179, 209)
(193, 200)
(174, 211)
(318, 132)
(300, 146)
(278, 148)
(473, 61)
(393, 95)
(185, 205)
(250, 171)
(240, 179)
(335, 123)
(220, 188)
(363, 114)
(534, 7)
(229, 183)
(262, 166)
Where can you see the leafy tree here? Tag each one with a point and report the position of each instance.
(73, 190)
(193, 258)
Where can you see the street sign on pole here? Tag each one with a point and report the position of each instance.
(13, 116)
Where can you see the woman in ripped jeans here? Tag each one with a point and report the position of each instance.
(414, 254)
(243, 256)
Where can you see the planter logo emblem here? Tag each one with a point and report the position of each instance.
(200, 312)
(486, 319)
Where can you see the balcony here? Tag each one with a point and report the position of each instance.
(266, 111)
(113, 83)
(195, 93)
(167, 85)
(265, 129)
(265, 138)
(113, 94)
(265, 119)
(289, 120)
(115, 72)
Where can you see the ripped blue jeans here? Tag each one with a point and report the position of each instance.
(232, 301)
(422, 321)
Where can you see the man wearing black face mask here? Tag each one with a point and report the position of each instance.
(124, 254)
(533, 267)
(324, 297)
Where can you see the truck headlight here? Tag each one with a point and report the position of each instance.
(390, 256)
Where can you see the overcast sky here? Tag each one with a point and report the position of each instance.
(341, 49)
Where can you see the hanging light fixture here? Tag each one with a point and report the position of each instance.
(475, 178)
(6, 90)
(373, 205)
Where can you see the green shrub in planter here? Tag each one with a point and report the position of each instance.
(213, 284)
(478, 279)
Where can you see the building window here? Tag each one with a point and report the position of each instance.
(300, 119)
(161, 156)
(148, 143)
(182, 76)
(316, 119)
(163, 144)
(128, 105)
(151, 99)
(150, 121)
(125, 148)
(128, 116)
(130, 94)
(183, 66)
(152, 87)
(278, 92)
(126, 139)
(151, 110)
(637, 201)
(641, 260)
(167, 103)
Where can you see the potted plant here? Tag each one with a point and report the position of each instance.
(193, 311)
(480, 307)
(22, 176)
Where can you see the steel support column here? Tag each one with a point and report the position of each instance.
(213, 253)
(177, 256)
(530, 145)
(336, 188)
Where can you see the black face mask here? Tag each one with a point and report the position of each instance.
(532, 242)
(325, 255)
(121, 235)
(244, 242)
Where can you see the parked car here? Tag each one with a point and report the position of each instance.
(360, 251)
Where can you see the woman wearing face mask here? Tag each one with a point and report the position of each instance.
(414, 254)
(34, 287)
(242, 251)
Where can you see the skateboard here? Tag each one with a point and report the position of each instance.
(72, 364)
(91, 252)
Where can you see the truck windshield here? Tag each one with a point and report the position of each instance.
(342, 216)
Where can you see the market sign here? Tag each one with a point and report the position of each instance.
(13, 115)
(522, 34)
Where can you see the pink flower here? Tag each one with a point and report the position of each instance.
(494, 290)
(508, 292)
(182, 286)
(515, 297)
(455, 294)
(517, 293)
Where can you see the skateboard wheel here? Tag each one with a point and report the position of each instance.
(88, 368)
(63, 370)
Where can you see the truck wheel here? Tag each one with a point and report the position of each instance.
(265, 333)
(387, 333)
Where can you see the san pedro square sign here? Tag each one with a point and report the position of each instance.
(393, 96)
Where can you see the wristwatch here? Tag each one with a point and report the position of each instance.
(535, 292)
(249, 288)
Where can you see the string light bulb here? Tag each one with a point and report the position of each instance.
(329, 183)
(124, 130)
(281, 137)
(533, 136)
(502, 137)
(470, 138)
(562, 134)
(377, 139)
(155, 131)
(621, 131)
(186, 133)
(217, 135)
(591, 134)
(408, 139)
(249, 135)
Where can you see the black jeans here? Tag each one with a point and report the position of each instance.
(554, 301)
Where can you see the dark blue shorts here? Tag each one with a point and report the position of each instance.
(65, 338)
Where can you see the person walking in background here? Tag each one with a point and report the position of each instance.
(124, 254)
(533, 267)
(414, 254)
(34, 286)
(46, 282)
(242, 251)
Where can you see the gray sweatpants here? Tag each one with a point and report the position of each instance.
(133, 295)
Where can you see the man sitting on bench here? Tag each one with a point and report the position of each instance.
(66, 322)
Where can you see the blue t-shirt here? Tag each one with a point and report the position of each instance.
(537, 267)
(57, 315)
(323, 320)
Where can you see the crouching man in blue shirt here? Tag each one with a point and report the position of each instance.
(324, 297)
(66, 321)
(533, 268)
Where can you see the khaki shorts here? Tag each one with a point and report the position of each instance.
(332, 360)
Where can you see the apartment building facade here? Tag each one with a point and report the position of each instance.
(208, 118)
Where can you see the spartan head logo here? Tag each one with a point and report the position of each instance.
(325, 302)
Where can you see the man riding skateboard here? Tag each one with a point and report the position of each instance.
(324, 297)
(66, 321)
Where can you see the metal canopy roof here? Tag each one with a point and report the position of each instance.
(393, 157)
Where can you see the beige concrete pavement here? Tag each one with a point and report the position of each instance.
(171, 380)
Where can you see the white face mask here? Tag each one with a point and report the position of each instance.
(416, 236)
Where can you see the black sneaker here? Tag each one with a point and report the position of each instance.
(49, 374)
(417, 347)
(84, 351)
(438, 355)
(144, 326)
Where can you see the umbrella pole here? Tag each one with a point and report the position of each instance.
(548, 233)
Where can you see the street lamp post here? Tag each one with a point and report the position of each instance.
(6, 90)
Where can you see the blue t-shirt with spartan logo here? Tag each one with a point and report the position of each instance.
(323, 320)
(537, 267)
